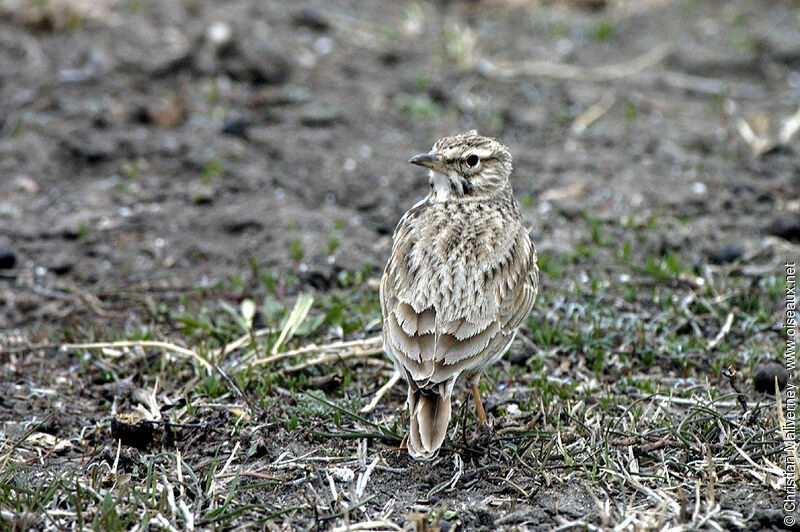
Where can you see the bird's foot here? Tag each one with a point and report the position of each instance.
(484, 429)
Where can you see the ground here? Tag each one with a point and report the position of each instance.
(197, 198)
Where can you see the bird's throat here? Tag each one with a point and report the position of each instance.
(441, 188)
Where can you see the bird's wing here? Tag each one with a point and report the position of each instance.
(422, 333)
(514, 288)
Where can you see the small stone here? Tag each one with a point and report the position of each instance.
(591, 5)
(26, 184)
(786, 226)
(699, 189)
(62, 267)
(235, 126)
(765, 375)
(318, 115)
(89, 146)
(219, 33)
(62, 264)
(726, 254)
(7, 258)
(168, 111)
(323, 45)
(256, 61)
(311, 17)
(343, 474)
(518, 357)
(390, 58)
(327, 383)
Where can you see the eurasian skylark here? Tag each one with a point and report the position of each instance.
(461, 279)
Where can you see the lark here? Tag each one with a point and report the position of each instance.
(460, 281)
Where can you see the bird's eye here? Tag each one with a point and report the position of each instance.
(473, 160)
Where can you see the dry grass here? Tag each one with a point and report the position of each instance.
(617, 409)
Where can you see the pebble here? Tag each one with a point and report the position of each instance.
(255, 60)
(786, 226)
(26, 184)
(201, 194)
(311, 17)
(7, 258)
(343, 474)
(726, 254)
(236, 126)
(89, 146)
(318, 115)
(764, 377)
(219, 33)
(62, 264)
(323, 45)
(698, 188)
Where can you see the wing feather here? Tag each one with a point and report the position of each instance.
(406, 345)
(406, 318)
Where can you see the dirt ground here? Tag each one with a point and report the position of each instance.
(157, 159)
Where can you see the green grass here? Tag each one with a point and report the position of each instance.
(602, 30)
(418, 105)
(296, 250)
(213, 169)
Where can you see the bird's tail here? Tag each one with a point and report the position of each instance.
(430, 416)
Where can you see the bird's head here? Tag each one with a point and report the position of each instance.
(466, 166)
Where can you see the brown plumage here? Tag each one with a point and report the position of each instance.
(460, 281)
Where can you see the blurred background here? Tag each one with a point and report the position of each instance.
(181, 141)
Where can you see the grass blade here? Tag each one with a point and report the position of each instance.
(296, 317)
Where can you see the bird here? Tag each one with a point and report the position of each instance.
(461, 279)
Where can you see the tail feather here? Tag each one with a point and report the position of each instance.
(430, 416)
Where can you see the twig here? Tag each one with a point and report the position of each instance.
(143, 343)
(547, 69)
(322, 359)
(115, 466)
(593, 113)
(365, 344)
(710, 86)
(649, 447)
(254, 474)
(733, 377)
(683, 401)
(239, 342)
(517, 487)
(6, 350)
(762, 144)
(368, 525)
(790, 127)
(236, 389)
(381, 392)
(213, 487)
(169, 347)
(363, 478)
(758, 145)
(726, 328)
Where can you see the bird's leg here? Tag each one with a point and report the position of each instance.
(464, 408)
(476, 393)
(381, 392)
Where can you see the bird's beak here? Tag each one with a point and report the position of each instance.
(428, 160)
